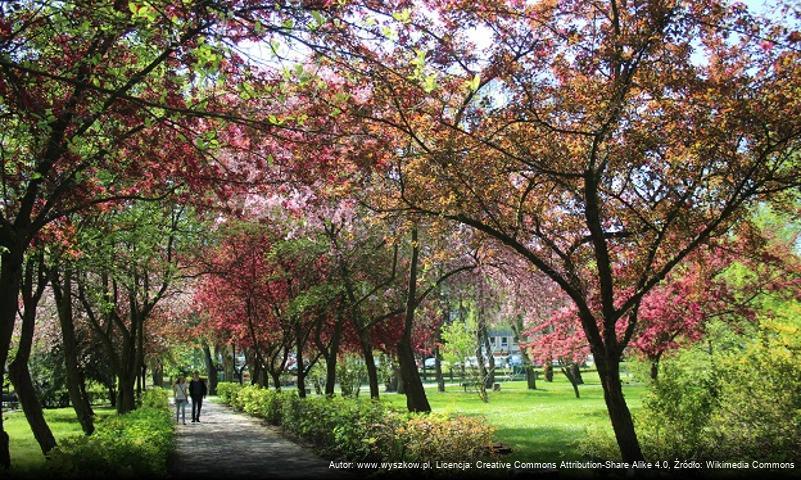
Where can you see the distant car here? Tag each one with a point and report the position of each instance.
(430, 362)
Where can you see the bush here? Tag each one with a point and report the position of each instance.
(442, 438)
(227, 391)
(361, 429)
(760, 412)
(260, 402)
(136, 444)
(710, 403)
(351, 373)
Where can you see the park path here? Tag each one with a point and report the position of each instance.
(230, 445)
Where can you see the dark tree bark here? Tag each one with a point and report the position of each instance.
(446, 317)
(570, 372)
(211, 368)
(576, 372)
(331, 350)
(489, 379)
(229, 369)
(619, 413)
(525, 362)
(438, 370)
(18, 369)
(400, 386)
(10, 275)
(112, 395)
(548, 371)
(301, 377)
(369, 361)
(62, 293)
(157, 372)
(416, 400)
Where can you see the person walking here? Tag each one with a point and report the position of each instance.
(181, 391)
(197, 390)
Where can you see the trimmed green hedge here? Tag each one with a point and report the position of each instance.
(136, 444)
(362, 429)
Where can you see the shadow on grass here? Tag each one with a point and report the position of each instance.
(542, 444)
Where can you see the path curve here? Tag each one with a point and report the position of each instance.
(228, 445)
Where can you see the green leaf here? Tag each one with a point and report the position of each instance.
(474, 83)
(404, 16)
(318, 18)
(430, 83)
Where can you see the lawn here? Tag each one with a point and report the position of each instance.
(25, 453)
(539, 425)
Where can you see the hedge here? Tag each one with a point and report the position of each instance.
(363, 429)
(136, 444)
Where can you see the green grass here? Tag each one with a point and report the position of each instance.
(539, 425)
(25, 453)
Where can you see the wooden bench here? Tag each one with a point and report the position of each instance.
(10, 401)
(496, 387)
(474, 385)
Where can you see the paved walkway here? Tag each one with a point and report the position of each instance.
(228, 445)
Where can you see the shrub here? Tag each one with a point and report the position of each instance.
(227, 391)
(351, 373)
(156, 398)
(136, 444)
(261, 402)
(441, 438)
(360, 429)
(760, 412)
(711, 403)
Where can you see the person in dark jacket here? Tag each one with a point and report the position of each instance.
(197, 390)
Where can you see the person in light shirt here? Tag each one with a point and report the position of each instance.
(181, 391)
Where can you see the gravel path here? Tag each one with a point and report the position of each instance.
(229, 445)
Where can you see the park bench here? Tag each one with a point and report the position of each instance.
(473, 385)
(496, 387)
(10, 401)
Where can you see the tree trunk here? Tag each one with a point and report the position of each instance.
(126, 398)
(619, 414)
(437, 353)
(23, 385)
(301, 377)
(576, 372)
(10, 275)
(331, 356)
(229, 373)
(438, 370)
(400, 387)
(416, 400)
(5, 451)
(330, 374)
(112, 395)
(257, 374)
(62, 293)
(157, 372)
(490, 379)
(211, 368)
(547, 370)
(570, 374)
(482, 366)
(85, 395)
(139, 355)
(531, 377)
(525, 361)
(369, 362)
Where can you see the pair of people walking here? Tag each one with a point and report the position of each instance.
(196, 390)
